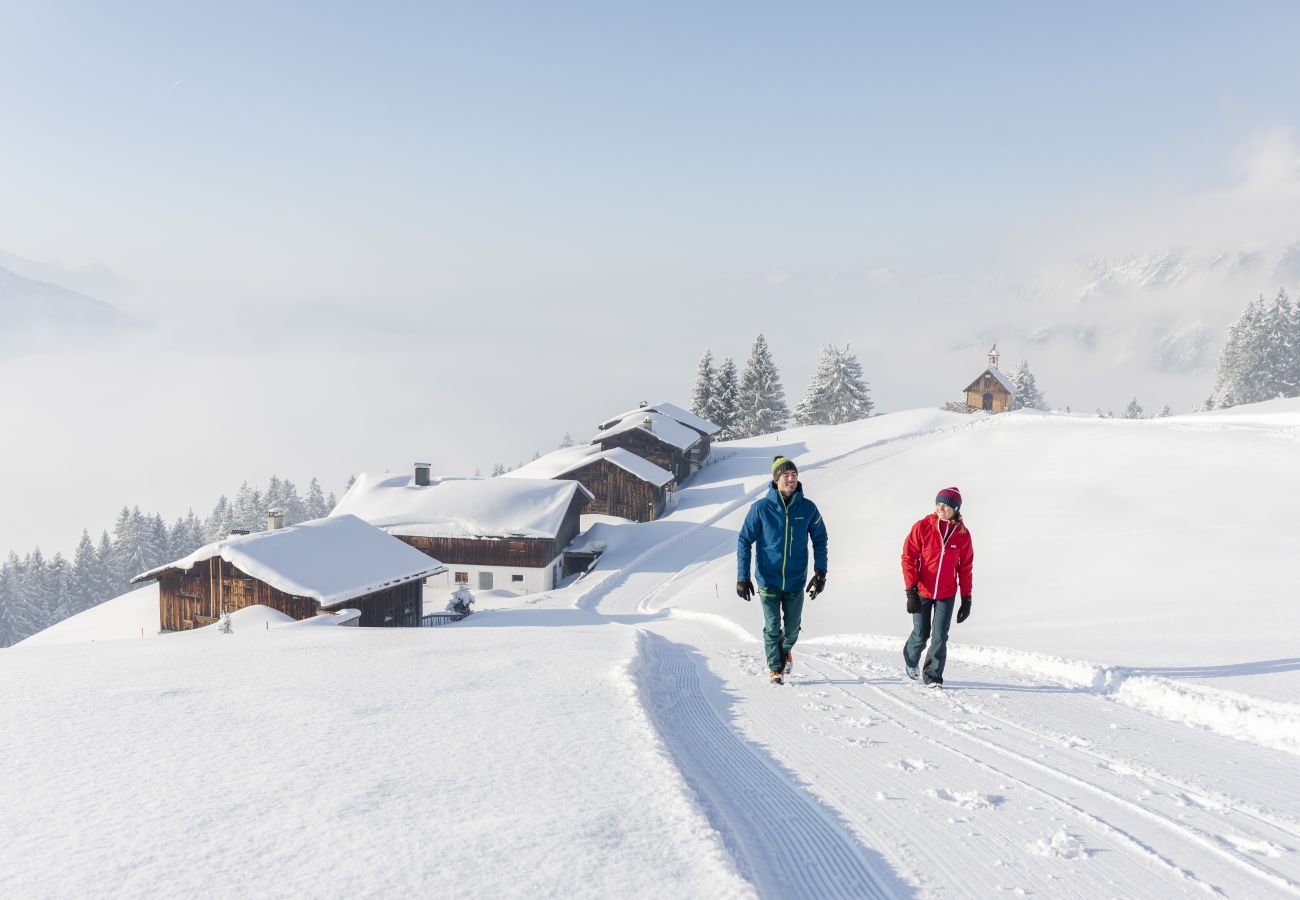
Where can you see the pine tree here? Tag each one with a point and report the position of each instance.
(1133, 410)
(220, 521)
(317, 508)
(837, 392)
(762, 408)
(566, 441)
(705, 382)
(81, 580)
(1026, 394)
(726, 401)
(498, 469)
(107, 577)
(1165, 412)
(247, 508)
(1260, 358)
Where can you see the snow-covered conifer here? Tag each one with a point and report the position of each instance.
(726, 400)
(1027, 395)
(317, 508)
(706, 379)
(461, 600)
(762, 408)
(837, 392)
(1133, 410)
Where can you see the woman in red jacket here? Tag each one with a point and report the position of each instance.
(937, 561)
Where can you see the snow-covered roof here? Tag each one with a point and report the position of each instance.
(1002, 380)
(672, 411)
(668, 430)
(461, 507)
(331, 560)
(561, 462)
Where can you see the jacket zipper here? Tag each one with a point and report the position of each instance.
(943, 546)
(785, 547)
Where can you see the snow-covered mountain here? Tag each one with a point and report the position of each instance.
(92, 279)
(1118, 717)
(35, 312)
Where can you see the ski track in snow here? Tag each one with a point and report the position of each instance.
(767, 766)
(784, 841)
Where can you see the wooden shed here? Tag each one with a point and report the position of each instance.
(321, 566)
(491, 533)
(655, 437)
(621, 483)
(991, 391)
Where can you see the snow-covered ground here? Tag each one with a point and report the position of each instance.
(1118, 719)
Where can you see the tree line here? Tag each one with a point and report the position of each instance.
(752, 402)
(37, 591)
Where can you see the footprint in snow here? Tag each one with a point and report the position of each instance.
(968, 799)
(1061, 845)
(911, 765)
(1255, 846)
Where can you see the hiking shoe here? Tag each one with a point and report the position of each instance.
(775, 678)
(789, 664)
(912, 671)
(933, 684)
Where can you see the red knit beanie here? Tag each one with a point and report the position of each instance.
(950, 496)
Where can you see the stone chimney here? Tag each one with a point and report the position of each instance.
(422, 474)
(274, 519)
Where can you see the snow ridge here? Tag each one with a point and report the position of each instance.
(1266, 723)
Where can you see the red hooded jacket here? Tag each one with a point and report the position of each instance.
(937, 558)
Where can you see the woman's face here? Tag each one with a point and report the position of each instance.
(945, 512)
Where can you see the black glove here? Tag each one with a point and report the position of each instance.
(816, 585)
(913, 599)
(745, 589)
(963, 611)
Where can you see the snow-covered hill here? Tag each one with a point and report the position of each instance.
(1118, 718)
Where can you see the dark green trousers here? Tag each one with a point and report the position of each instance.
(782, 613)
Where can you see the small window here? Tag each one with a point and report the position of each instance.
(516, 579)
(485, 581)
(461, 578)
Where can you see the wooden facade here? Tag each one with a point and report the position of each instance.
(618, 492)
(516, 552)
(197, 597)
(988, 393)
(395, 607)
(648, 446)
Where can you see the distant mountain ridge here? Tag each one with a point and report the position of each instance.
(35, 312)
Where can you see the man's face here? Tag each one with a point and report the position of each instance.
(944, 511)
(787, 481)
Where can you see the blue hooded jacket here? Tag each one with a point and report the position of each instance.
(781, 534)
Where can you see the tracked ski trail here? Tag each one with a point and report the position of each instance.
(786, 843)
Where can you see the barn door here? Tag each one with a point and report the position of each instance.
(988, 403)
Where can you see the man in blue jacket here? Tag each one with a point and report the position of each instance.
(781, 524)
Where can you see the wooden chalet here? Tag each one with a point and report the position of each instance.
(991, 391)
(490, 533)
(698, 454)
(655, 437)
(621, 483)
(304, 570)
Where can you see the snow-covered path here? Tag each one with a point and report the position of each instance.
(853, 781)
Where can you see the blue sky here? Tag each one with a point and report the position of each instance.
(462, 230)
(689, 135)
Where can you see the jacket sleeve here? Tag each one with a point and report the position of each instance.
(966, 566)
(817, 530)
(912, 557)
(745, 542)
